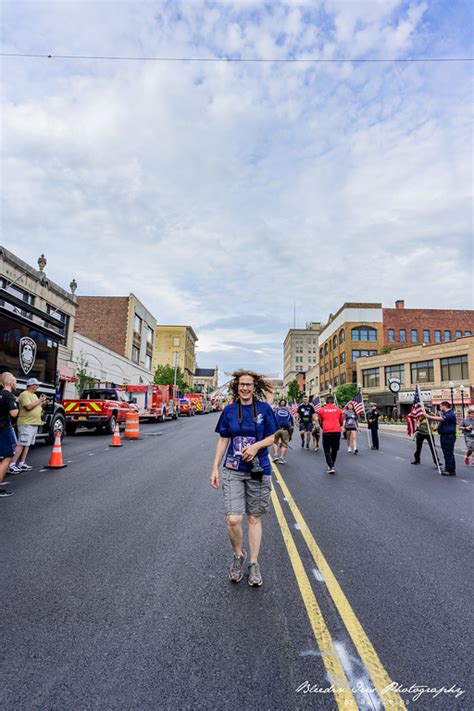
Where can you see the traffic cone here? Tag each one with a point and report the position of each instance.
(132, 426)
(116, 437)
(56, 460)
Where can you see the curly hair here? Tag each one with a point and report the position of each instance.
(262, 386)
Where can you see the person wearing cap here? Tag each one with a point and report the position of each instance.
(29, 419)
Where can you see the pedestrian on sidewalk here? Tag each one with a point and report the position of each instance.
(246, 428)
(331, 418)
(304, 418)
(8, 409)
(285, 424)
(29, 420)
(350, 427)
(467, 427)
(373, 425)
(447, 436)
(422, 435)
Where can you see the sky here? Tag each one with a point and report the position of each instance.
(225, 194)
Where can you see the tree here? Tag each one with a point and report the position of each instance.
(84, 378)
(293, 391)
(164, 375)
(345, 392)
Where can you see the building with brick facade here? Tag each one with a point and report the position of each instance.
(176, 345)
(300, 351)
(436, 368)
(121, 323)
(359, 330)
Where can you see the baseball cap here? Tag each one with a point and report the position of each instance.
(32, 381)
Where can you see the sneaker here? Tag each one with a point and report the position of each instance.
(282, 461)
(275, 457)
(255, 577)
(415, 462)
(332, 471)
(24, 467)
(14, 469)
(466, 461)
(316, 449)
(236, 569)
(307, 446)
(356, 451)
(4, 493)
(302, 443)
(349, 450)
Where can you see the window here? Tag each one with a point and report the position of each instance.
(321, 371)
(176, 341)
(137, 324)
(343, 378)
(426, 336)
(455, 368)
(320, 354)
(370, 378)
(437, 336)
(335, 362)
(391, 335)
(354, 377)
(326, 349)
(149, 335)
(414, 335)
(64, 329)
(135, 354)
(336, 381)
(148, 362)
(403, 335)
(359, 354)
(395, 371)
(422, 372)
(334, 342)
(343, 358)
(326, 368)
(458, 334)
(447, 335)
(341, 336)
(468, 333)
(364, 333)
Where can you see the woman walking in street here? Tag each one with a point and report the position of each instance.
(246, 428)
(350, 427)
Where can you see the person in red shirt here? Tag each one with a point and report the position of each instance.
(331, 418)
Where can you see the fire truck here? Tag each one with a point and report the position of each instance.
(99, 409)
(155, 403)
(201, 402)
(29, 349)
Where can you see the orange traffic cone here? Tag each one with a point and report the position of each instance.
(56, 460)
(132, 427)
(116, 437)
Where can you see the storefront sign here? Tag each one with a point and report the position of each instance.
(445, 394)
(426, 395)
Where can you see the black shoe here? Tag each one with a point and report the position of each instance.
(415, 462)
(445, 473)
(356, 451)
(307, 446)
(4, 493)
(302, 443)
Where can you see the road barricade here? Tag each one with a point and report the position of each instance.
(132, 426)
(116, 437)
(56, 459)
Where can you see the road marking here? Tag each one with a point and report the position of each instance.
(360, 682)
(297, 526)
(402, 459)
(317, 575)
(344, 697)
(381, 680)
(91, 454)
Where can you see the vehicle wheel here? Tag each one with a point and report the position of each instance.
(58, 424)
(71, 429)
(110, 429)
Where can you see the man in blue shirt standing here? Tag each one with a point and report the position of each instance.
(447, 436)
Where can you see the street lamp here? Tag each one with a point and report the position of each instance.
(451, 387)
(462, 388)
(176, 356)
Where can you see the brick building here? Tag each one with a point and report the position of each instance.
(407, 326)
(121, 323)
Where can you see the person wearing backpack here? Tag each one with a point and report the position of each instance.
(284, 432)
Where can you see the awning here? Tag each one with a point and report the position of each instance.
(66, 374)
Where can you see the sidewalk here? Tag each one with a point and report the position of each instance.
(400, 431)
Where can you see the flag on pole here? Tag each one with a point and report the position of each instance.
(294, 409)
(316, 403)
(357, 403)
(415, 413)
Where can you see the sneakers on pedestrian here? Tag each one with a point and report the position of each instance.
(255, 577)
(307, 446)
(349, 450)
(236, 569)
(356, 451)
(302, 442)
(4, 493)
(14, 469)
(24, 467)
(332, 471)
(466, 461)
(276, 457)
(415, 462)
(282, 461)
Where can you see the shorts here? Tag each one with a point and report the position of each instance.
(306, 426)
(7, 443)
(27, 435)
(283, 436)
(242, 494)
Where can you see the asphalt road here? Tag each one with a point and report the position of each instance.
(115, 590)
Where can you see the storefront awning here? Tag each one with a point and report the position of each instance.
(66, 374)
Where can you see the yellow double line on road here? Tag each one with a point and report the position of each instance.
(380, 679)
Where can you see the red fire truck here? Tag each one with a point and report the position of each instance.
(154, 402)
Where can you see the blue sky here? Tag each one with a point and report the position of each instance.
(222, 193)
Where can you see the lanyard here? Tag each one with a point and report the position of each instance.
(240, 418)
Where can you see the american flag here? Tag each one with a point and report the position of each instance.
(294, 409)
(415, 413)
(316, 403)
(357, 403)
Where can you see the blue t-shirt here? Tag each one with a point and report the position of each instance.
(448, 425)
(247, 432)
(283, 417)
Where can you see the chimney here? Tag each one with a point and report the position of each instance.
(400, 304)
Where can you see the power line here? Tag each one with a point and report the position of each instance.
(237, 59)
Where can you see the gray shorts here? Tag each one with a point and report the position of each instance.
(242, 494)
(27, 435)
